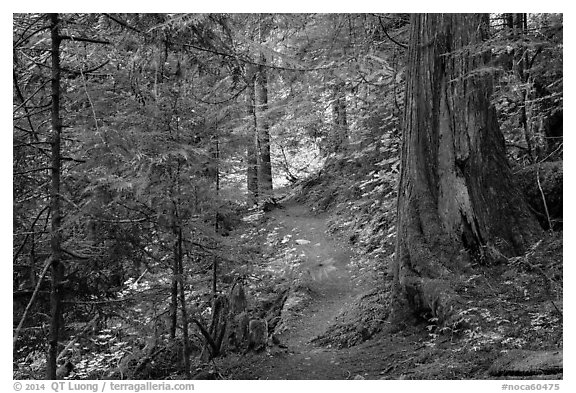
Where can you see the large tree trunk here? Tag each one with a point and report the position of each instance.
(456, 200)
(55, 207)
(265, 167)
(251, 153)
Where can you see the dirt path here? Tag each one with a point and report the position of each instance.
(323, 269)
(322, 265)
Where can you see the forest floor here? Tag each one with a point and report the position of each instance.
(324, 271)
(329, 289)
(518, 318)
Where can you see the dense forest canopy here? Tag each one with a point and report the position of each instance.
(140, 141)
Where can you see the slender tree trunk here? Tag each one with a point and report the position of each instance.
(252, 152)
(176, 224)
(340, 118)
(218, 216)
(265, 166)
(217, 164)
(215, 258)
(32, 256)
(214, 278)
(55, 208)
(456, 199)
(174, 300)
(520, 62)
(520, 21)
(525, 122)
(185, 338)
(215, 266)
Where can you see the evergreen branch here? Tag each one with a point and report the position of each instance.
(84, 39)
(123, 24)
(28, 234)
(34, 145)
(32, 34)
(74, 255)
(74, 160)
(199, 245)
(44, 168)
(516, 145)
(390, 38)
(28, 115)
(72, 72)
(259, 64)
(26, 38)
(28, 144)
(94, 302)
(24, 102)
(125, 221)
(31, 193)
(87, 71)
(21, 97)
(124, 205)
(225, 54)
(220, 102)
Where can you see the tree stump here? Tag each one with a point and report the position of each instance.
(257, 334)
(240, 325)
(237, 339)
(238, 302)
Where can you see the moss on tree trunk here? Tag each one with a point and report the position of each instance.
(457, 201)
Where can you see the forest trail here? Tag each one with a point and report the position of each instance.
(323, 270)
(325, 283)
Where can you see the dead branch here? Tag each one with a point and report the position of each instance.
(84, 39)
(29, 233)
(543, 198)
(82, 333)
(19, 328)
(206, 335)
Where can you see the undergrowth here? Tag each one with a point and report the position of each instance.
(514, 305)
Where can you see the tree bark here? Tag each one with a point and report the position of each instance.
(186, 341)
(456, 201)
(265, 166)
(55, 206)
(174, 300)
(251, 153)
(520, 64)
(340, 118)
